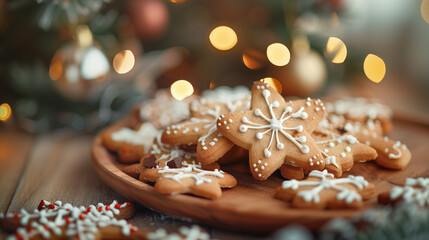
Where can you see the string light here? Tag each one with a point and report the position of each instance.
(374, 68)
(274, 83)
(336, 50)
(124, 61)
(223, 38)
(5, 112)
(278, 54)
(424, 9)
(181, 89)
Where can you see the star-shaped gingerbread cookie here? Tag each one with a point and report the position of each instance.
(178, 171)
(415, 191)
(275, 131)
(321, 190)
(201, 129)
(64, 221)
(340, 153)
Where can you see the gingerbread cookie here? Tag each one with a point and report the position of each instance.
(275, 131)
(392, 154)
(132, 170)
(186, 233)
(340, 153)
(362, 110)
(130, 144)
(321, 190)
(201, 129)
(164, 110)
(415, 191)
(64, 221)
(177, 171)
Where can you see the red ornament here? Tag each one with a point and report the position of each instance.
(149, 17)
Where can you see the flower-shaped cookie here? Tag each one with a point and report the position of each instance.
(275, 131)
(321, 190)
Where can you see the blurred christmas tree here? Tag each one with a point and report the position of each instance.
(82, 64)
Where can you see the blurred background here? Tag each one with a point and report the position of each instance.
(82, 64)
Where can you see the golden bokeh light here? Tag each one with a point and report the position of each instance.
(84, 36)
(124, 61)
(336, 50)
(374, 68)
(425, 10)
(278, 54)
(274, 83)
(181, 89)
(223, 38)
(177, 1)
(5, 112)
(253, 59)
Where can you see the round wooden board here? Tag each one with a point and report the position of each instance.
(250, 207)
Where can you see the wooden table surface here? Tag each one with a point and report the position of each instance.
(57, 166)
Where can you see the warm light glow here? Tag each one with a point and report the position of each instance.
(336, 50)
(5, 112)
(181, 89)
(335, 20)
(253, 59)
(124, 61)
(56, 69)
(223, 38)
(84, 36)
(278, 54)
(212, 86)
(374, 68)
(274, 83)
(425, 10)
(177, 1)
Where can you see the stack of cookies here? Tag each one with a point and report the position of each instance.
(180, 146)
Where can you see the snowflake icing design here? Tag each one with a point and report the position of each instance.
(415, 191)
(327, 183)
(276, 127)
(191, 171)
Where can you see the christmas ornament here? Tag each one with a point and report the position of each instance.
(149, 17)
(78, 71)
(305, 74)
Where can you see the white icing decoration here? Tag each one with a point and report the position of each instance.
(396, 148)
(192, 233)
(164, 109)
(327, 183)
(415, 191)
(275, 125)
(71, 221)
(189, 172)
(168, 152)
(359, 107)
(143, 136)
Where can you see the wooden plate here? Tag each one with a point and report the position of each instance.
(250, 207)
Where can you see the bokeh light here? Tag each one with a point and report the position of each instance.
(181, 89)
(124, 61)
(5, 112)
(278, 54)
(178, 1)
(84, 35)
(374, 68)
(336, 50)
(425, 10)
(223, 38)
(56, 68)
(274, 83)
(253, 59)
